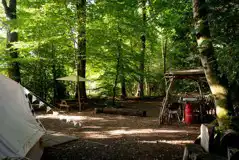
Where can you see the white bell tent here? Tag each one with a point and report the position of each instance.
(19, 129)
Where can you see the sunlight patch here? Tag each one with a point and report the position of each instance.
(168, 141)
(92, 127)
(144, 131)
(67, 118)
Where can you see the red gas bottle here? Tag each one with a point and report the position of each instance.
(188, 112)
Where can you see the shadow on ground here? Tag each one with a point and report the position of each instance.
(118, 137)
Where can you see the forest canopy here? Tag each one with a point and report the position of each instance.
(122, 46)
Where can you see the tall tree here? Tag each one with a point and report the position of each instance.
(117, 71)
(218, 85)
(143, 48)
(121, 64)
(81, 40)
(12, 36)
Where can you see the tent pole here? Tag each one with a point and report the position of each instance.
(77, 81)
(78, 93)
(201, 96)
(78, 90)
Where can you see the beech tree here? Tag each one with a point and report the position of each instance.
(218, 85)
(128, 43)
(12, 36)
(143, 49)
(81, 44)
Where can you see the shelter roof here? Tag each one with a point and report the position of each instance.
(186, 74)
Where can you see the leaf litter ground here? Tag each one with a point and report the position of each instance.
(117, 137)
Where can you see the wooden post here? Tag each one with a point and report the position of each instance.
(199, 88)
(201, 96)
(165, 102)
(78, 84)
(78, 93)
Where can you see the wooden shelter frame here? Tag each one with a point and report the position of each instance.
(195, 74)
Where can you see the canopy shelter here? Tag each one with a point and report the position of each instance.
(194, 74)
(76, 79)
(186, 74)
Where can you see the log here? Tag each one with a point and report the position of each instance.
(121, 111)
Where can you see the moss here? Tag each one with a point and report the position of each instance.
(222, 113)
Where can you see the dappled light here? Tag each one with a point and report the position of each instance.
(91, 127)
(67, 117)
(179, 142)
(144, 131)
(106, 72)
(109, 132)
(76, 120)
(131, 132)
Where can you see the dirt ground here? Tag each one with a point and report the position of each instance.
(103, 136)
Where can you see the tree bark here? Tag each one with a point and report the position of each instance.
(54, 75)
(54, 83)
(218, 86)
(117, 71)
(123, 86)
(11, 14)
(122, 74)
(81, 69)
(142, 57)
(164, 54)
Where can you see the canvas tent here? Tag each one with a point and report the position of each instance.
(21, 134)
(19, 129)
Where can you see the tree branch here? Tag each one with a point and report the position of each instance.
(12, 4)
(4, 3)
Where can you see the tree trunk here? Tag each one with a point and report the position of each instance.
(122, 75)
(54, 75)
(218, 86)
(13, 68)
(54, 83)
(164, 54)
(119, 67)
(143, 41)
(123, 86)
(81, 69)
(117, 72)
